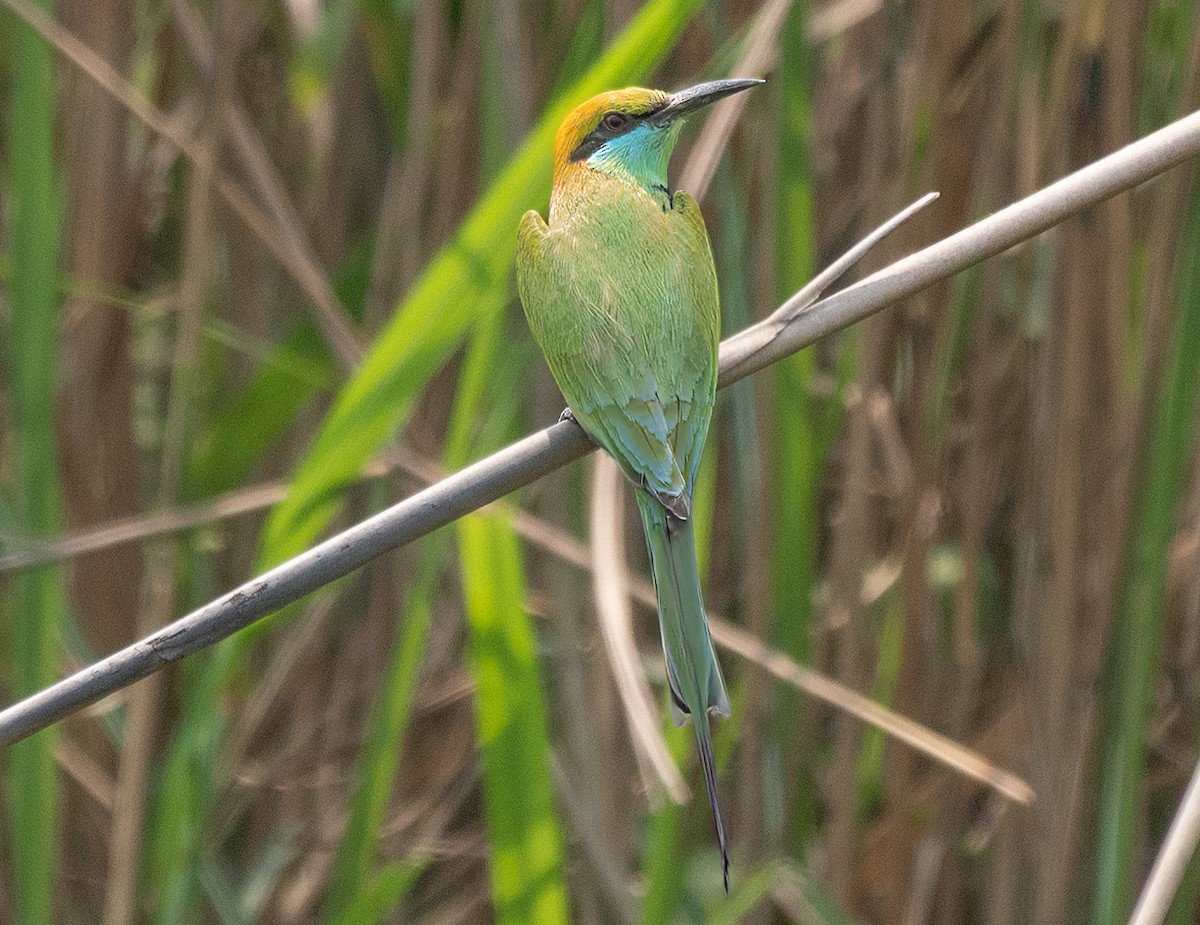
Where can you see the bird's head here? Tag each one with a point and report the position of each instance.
(630, 133)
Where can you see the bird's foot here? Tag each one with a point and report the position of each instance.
(566, 415)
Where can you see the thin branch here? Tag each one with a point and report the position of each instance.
(39, 553)
(529, 459)
(28, 554)
(782, 334)
(937, 746)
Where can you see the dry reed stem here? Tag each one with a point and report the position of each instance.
(162, 565)
(330, 317)
(611, 583)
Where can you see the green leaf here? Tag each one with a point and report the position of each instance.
(383, 748)
(382, 893)
(1141, 608)
(664, 860)
(803, 432)
(295, 372)
(35, 600)
(528, 883)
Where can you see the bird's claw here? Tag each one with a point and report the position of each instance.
(566, 415)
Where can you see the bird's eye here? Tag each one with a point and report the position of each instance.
(614, 121)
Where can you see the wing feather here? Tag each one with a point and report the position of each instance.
(631, 342)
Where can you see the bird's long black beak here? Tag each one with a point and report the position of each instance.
(688, 101)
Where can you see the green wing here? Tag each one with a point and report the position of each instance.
(626, 314)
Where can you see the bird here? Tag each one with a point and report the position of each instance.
(620, 292)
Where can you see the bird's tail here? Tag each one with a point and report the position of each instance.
(697, 687)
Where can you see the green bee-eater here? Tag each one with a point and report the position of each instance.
(621, 294)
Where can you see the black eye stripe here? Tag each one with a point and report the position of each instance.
(595, 139)
(586, 148)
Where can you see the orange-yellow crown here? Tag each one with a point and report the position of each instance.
(586, 117)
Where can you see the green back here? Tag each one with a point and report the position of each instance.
(621, 294)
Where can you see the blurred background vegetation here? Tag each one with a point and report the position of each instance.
(277, 296)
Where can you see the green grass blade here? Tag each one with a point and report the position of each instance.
(527, 857)
(738, 409)
(222, 896)
(383, 748)
(35, 600)
(870, 781)
(381, 893)
(663, 864)
(744, 896)
(494, 119)
(802, 436)
(482, 386)
(453, 293)
(291, 373)
(948, 366)
(587, 42)
(387, 33)
(1141, 606)
(297, 370)
(801, 896)
(185, 794)
(528, 882)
